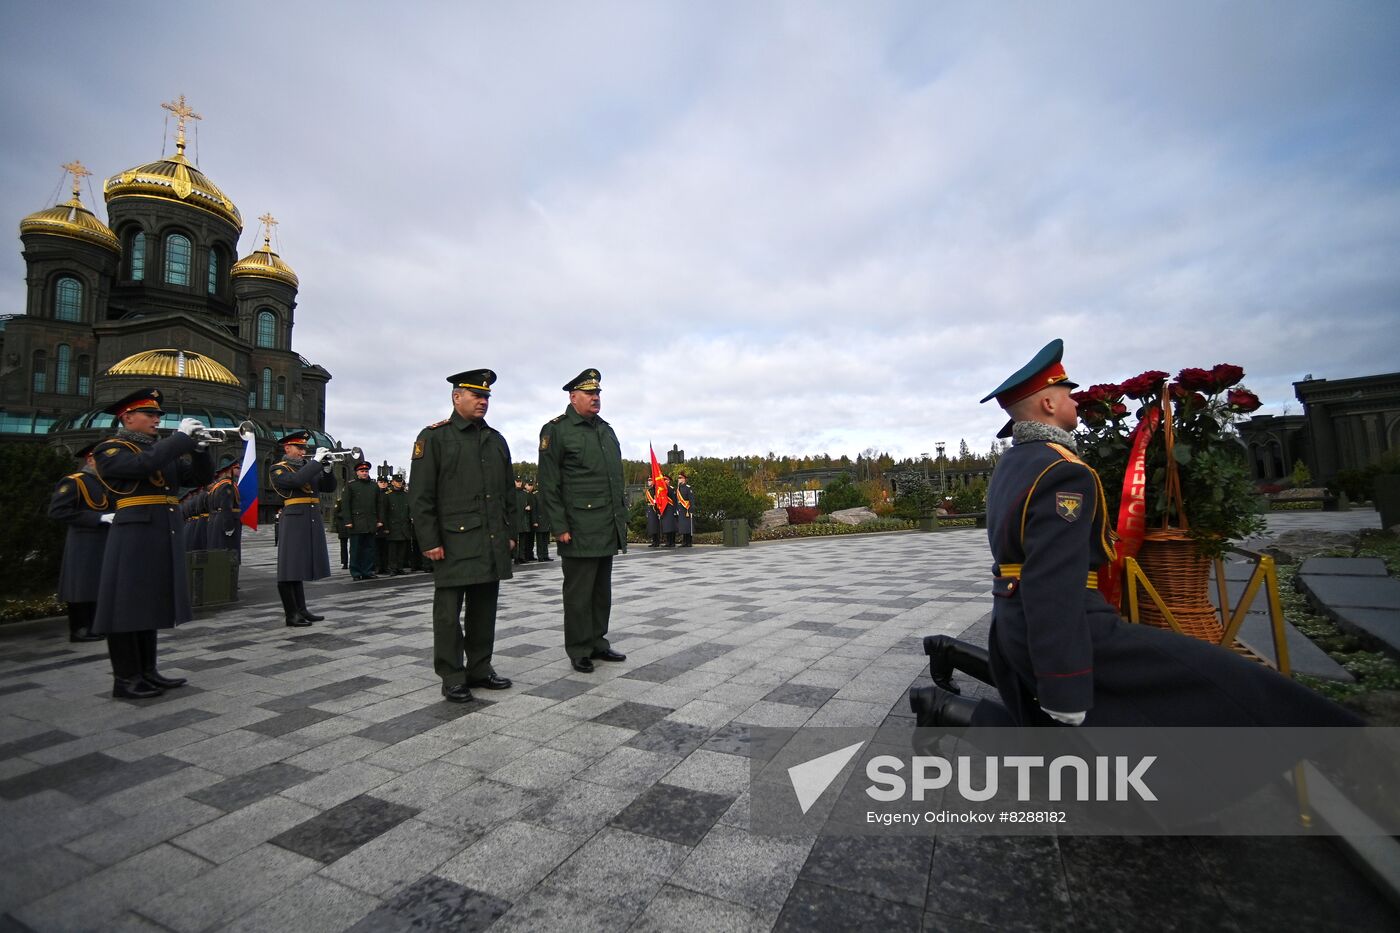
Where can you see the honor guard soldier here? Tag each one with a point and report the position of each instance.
(668, 513)
(398, 525)
(82, 503)
(685, 510)
(540, 524)
(361, 516)
(582, 492)
(462, 498)
(653, 516)
(143, 586)
(1058, 652)
(524, 539)
(225, 528)
(301, 536)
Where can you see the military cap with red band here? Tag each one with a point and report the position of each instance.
(1043, 370)
(144, 400)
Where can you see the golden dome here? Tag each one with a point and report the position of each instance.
(176, 179)
(71, 218)
(264, 263)
(178, 364)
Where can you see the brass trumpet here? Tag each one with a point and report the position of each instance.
(354, 453)
(224, 435)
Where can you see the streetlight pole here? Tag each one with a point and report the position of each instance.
(942, 481)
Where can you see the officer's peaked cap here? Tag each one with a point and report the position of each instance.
(477, 381)
(590, 380)
(1042, 371)
(147, 400)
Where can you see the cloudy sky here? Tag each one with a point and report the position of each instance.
(800, 227)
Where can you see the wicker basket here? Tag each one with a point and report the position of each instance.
(1180, 575)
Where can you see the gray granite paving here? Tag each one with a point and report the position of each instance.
(313, 779)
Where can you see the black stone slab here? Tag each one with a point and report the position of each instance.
(629, 715)
(230, 645)
(20, 687)
(34, 742)
(239, 791)
(838, 631)
(289, 722)
(321, 641)
(803, 695)
(676, 814)
(433, 903)
(523, 650)
(512, 631)
(1383, 625)
(158, 724)
(1342, 566)
(295, 664)
(123, 776)
(195, 665)
(406, 726)
(671, 738)
(658, 672)
(892, 868)
(1005, 882)
(57, 776)
(562, 689)
(343, 828)
(812, 906)
(812, 626)
(1353, 592)
(55, 665)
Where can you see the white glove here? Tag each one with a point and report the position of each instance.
(1069, 719)
(189, 426)
(322, 455)
(107, 517)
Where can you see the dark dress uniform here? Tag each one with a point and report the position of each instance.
(653, 516)
(225, 516)
(582, 491)
(540, 527)
(463, 499)
(79, 501)
(359, 515)
(301, 537)
(668, 516)
(1056, 644)
(524, 534)
(197, 528)
(143, 585)
(398, 526)
(685, 513)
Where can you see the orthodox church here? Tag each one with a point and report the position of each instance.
(155, 296)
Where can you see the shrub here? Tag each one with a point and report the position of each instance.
(802, 514)
(1301, 476)
(842, 494)
(972, 497)
(31, 549)
(719, 494)
(916, 498)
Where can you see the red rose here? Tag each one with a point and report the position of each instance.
(1145, 384)
(1106, 392)
(1224, 375)
(1198, 380)
(1243, 400)
(1119, 409)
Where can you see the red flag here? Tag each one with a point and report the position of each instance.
(662, 496)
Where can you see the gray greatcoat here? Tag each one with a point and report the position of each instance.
(143, 566)
(684, 498)
(225, 530)
(301, 538)
(79, 500)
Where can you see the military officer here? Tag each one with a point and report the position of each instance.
(143, 586)
(581, 487)
(225, 527)
(539, 524)
(397, 525)
(462, 499)
(653, 516)
(81, 502)
(685, 510)
(301, 537)
(1058, 652)
(381, 536)
(361, 514)
(524, 537)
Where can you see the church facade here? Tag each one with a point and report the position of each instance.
(158, 296)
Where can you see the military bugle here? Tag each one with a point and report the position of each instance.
(223, 435)
(354, 453)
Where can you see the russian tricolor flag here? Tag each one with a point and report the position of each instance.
(248, 483)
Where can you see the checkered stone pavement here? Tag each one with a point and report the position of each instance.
(313, 779)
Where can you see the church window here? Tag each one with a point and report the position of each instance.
(267, 388)
(84, 375)
(62, 368)
(281, 393)
(177, 260)
(267, 328)
(138, 257)
(41, 371)
(213, 272)
(68, 299)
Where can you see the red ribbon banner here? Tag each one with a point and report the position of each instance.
(1132, 509)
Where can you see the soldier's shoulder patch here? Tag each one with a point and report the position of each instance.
(64, 488)
(418, 449)
(111, 451)
(544, 442)
(437, 424)
(1069, 505)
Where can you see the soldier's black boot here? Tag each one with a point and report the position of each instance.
(688, 542)
(670, 539)
(934, 706)
(655, 541)
(134, 688)
(301, 604)
(288, 593)
(947, 654)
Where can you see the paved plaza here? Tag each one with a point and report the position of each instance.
(313, 779)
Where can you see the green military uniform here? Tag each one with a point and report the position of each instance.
(398, 525)
(581, 494)
(462, 499)
(540, 527)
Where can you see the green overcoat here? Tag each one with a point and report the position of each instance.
(461, 493)
(581, 485)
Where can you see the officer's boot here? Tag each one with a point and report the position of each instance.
(301, 604)
(934, 706)
(147, 648)
(655, 540)
(947, 654)
(670, 539)
(689, 541)
(288, 592)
